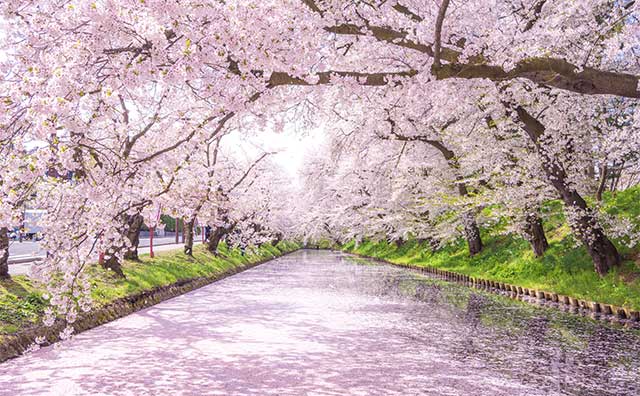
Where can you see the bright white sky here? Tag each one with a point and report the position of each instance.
(291, 146)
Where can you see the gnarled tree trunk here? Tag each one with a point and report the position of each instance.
(188, 240)
(216, 236)
(535, 234)
(277, 238)
(134, 225)
(131, 230)
(4, 253)
(214, 239)
(471, 229)
(585, 224)
(472, 232)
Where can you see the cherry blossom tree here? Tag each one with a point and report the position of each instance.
(109, 107)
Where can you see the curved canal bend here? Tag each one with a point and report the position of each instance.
(321, 323)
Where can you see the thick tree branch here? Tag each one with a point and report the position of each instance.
(324, 78)
(407, 12)
(313, 6)
(537, 10)
(437, 45)
(551, 72)
(385, 34)
(446, 153)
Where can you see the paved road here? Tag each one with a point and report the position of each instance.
(316, 323)
(25, 248)
(24, 268)
(30, 248)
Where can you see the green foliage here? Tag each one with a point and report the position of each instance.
(15, 310)
(21, 303)
(624, 203)
(169, 222)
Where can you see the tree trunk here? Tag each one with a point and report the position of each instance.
(584, 223)
(112, 263)
(131, 230)
(617, 174)
(602, 183)
(214, 239)
(472, 232)
(4, 253)
(535, 234)
(188, 240)
(277, 238)
(177, 229)
(134, 224)
(434, 244)
(471, 229)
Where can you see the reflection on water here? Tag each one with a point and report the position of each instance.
(322, 323)
(552, 351)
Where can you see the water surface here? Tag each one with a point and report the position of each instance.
(322, 323)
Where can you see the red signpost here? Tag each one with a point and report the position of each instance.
(151, 242)
(177, 228)
(152, 230)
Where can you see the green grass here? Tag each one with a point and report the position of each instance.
(564, 269)
(21, 303)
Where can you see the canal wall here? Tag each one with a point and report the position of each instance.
(14, 345)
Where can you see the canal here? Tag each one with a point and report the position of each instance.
(323, 323)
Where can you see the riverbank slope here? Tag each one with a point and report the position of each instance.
(564, 269)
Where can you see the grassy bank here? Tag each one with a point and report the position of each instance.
(21, 304)
(564, 269)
